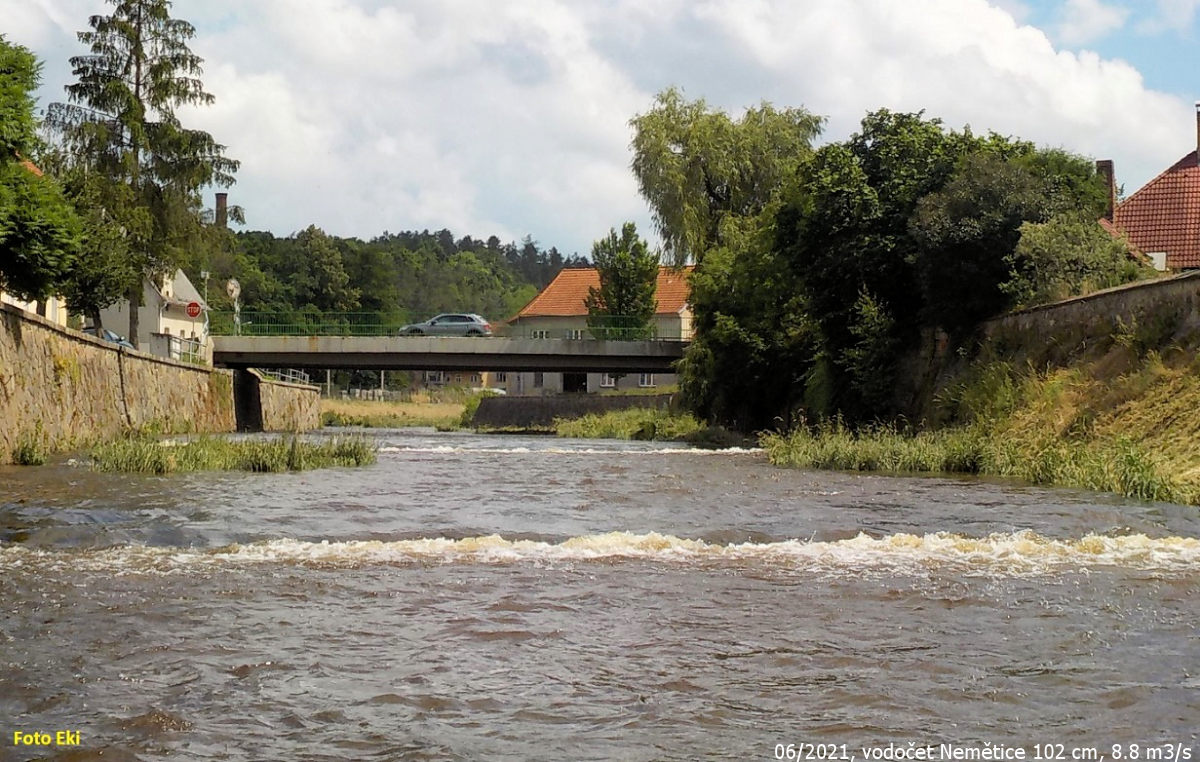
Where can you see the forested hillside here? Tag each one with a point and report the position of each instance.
(406, 276)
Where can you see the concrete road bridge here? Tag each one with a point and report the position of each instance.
(447, 353)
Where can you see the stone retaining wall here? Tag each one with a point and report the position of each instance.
(61, 389)
(286, 406)
(1149, 314)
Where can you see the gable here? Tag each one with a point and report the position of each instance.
(1164, 215)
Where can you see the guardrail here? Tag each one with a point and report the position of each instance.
(597, 328)
(301, 324)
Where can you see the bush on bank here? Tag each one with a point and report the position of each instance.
(150, 456)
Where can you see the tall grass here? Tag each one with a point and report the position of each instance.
(390, 415)
(631, 423)
(143, 455)
(1119, 466)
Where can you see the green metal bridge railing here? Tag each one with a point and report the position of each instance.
(605, 327)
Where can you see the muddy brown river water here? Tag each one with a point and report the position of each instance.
(507, 598)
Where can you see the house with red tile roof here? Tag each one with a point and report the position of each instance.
(560, 312)
(1162, 219)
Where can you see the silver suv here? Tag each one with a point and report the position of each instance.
(449, 324)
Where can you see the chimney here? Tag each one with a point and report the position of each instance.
(1104, 168)
(1198, 127)
(222, 214)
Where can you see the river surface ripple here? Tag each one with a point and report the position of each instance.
(509, 598)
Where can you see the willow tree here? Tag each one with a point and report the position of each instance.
(697, 167)
(120, 122)
(713, 182)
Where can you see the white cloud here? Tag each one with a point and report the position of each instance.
(511, 118)
(1173, 15)
(1084, 21)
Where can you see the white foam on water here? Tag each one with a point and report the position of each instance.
(1020, 554)
(456, 450)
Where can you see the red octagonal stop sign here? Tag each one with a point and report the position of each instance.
(193, 309)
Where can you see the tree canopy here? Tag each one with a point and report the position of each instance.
(624, 305)
(696, 166)
(120, 122)
(39, 230)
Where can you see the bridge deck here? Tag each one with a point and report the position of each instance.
(447, 353)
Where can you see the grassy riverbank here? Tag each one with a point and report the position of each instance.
(1124, 424)
(392, 415)
(152, 456)
(646, 424)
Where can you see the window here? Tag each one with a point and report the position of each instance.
(608, 381)
(646, 380)
(501, 377)
(573, 333)
(539, 333)
(538, 379)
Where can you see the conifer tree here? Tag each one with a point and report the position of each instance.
(120, 122)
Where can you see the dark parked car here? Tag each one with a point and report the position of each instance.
(449, 324)
(108, 335)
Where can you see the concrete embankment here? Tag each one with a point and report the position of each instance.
(60, 390)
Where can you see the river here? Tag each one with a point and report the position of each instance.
(520, 598)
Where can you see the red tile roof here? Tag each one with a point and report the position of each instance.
(1165, 215)
(564, 296)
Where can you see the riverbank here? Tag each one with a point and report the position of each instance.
(1123, 421)
(208, 453)
(420, 411)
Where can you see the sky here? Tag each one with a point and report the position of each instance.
(511, 117)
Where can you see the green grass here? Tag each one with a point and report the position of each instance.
(632, 423)
(31, 448)
(143, 455)
(1107, 465)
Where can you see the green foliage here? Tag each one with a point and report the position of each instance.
(754, 340)
(39, 231)
(1067, 255)
(920, 222)
(965, 231)
(20, 74)
(871, 359)
(396, 278)
(631, 423)
(150, 456)
(628, 273)
(31, 448)
(319, 278)
(696, 167)
(1117, 466)
(120, 122)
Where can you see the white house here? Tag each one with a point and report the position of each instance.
(166, 325)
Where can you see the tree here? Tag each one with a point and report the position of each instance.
(120, 121)
(104, 267)
(624, 305)
(696, 167)
(1067, 255)
(322, 280)
(967, 231)
(39, 231)
(754, 342)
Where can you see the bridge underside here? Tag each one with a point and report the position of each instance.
(446, 353)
